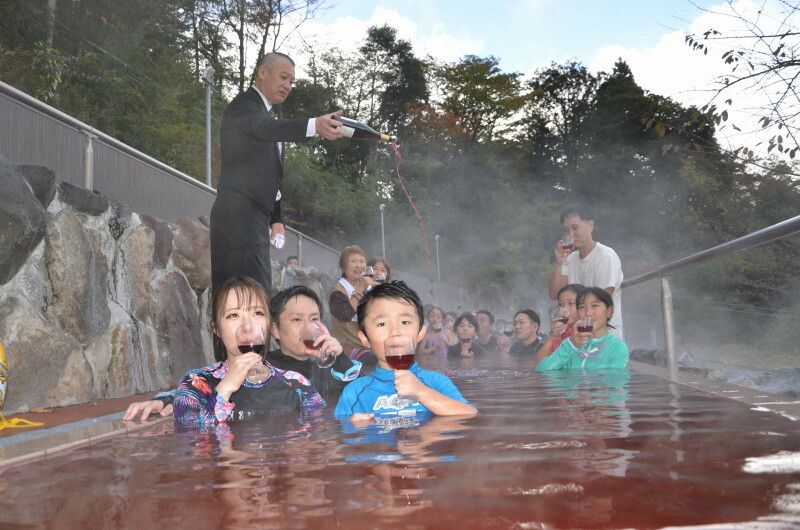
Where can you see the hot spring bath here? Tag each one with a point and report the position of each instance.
(557, 450)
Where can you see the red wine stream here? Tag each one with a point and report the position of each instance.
(414, 206)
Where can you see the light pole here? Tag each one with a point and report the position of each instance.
(208, 77)
(383, 234)
(438, 269)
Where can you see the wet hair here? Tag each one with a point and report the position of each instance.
(487, 313)
(278, 303)
(574, 287)
(601, 294)
(469, 317)
(246, 289)
(374, 260)
(577, 210)
(346, 253)
(533, 315)
(396, 290)
(270, 59)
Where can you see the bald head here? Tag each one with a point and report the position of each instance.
(275, 77)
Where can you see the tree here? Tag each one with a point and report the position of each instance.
(479, 96)
(562, 96)
(763, 54)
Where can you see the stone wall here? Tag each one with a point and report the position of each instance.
(97, 301)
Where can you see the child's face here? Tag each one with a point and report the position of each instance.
(449, 319)
(592, 307)
(567, 299)
(299, 312)
(380, 268)
(234, 313)
(435, 317)
(465, 328)
(386, 317)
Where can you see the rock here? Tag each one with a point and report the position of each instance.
(175, 314)
(124, 360)
(133, 265)
(205, 221)
(42, 181)
(162, 246)
(22, 221)
(79, 275)
(83, 200)
(47, 367)
(120, 219)
(192, 252)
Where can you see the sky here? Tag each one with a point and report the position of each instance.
(525, 35)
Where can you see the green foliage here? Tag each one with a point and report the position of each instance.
(489, 160)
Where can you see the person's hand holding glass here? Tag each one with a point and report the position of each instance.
(465, 338)
(314, 339)
(559, 316)
(564, 248)
(400, 353)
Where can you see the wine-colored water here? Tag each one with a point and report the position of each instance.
(614, 450)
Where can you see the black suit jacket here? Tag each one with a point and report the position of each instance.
(252, 171)
(251, 162)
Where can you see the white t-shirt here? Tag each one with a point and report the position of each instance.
(601, 268)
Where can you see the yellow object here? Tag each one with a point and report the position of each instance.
(13, 422)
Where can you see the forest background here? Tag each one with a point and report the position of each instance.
(489, 157)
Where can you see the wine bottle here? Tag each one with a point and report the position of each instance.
(359, 131)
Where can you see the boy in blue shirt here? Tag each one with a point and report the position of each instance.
(390, 310)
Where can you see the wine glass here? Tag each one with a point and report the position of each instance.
(585, 325)
(380, 277)
(250, 337)
(309, 336)
(568, 243)
(399, 352)
(561, 315)
(508, 329)
(369, 272)
(465, 338)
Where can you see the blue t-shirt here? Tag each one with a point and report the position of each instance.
(376, 394)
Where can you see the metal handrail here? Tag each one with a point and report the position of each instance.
(765, 235)
(90, 131)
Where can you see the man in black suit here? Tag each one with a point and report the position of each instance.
(248, 200)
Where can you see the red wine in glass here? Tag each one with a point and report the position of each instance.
(563, 320)
(309, 343)
(400, 362)
(245, 348)
(586, 329)
(508, 332)
(465, 340)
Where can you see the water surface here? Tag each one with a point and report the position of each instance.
(610, 450)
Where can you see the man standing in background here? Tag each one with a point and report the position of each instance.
(593, 265)
(248, 203)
